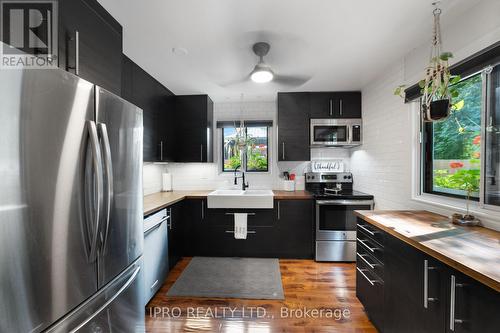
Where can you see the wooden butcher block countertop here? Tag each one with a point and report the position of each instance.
(474, 251)
(160, 200)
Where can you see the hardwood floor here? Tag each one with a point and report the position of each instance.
(327, 287)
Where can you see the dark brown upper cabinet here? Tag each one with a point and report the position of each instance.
(90, 43)
(335, 104)
(293, 127)
(156, 102)
(194, 128)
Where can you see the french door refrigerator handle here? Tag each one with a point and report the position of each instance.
(109, 301)
(97, 167)
(108, 170)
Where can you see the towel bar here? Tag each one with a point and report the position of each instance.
(241, 213)
(248, 232)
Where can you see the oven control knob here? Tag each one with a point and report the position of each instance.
(349, 177)
(345, 177)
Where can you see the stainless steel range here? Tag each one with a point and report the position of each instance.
(336, 202)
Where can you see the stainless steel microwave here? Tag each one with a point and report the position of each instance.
(336, 132)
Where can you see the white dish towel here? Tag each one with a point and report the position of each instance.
(240, 225)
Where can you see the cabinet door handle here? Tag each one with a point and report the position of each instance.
(362, 272)
(362, 257)
(362, 242)
(161, 150)
(341, 107)
(454, 286)
(76, 39)
(201, 153)
(248, 232)
(362, 227)
(249, 214)
(202, 209)
(279, 211)
(283, 150)
(77, 52)
(331, 107)
(427, 299)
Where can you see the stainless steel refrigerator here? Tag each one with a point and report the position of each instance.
(71, 235)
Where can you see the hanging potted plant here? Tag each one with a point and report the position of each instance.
(436, 86)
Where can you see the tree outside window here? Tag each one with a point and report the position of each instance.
(455, 144)
(246, 147)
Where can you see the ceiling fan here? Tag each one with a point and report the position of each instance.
(263, 72)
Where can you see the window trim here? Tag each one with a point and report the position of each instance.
(427, 172)
(446, 203)
(245, 159)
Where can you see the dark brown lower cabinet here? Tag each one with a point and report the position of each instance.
(403, 290)
(418, 293)
(286, 231)
(294, 229)
(370, 273)
(176, 230)
(471, 307)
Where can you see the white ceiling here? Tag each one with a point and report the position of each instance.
(341, 45)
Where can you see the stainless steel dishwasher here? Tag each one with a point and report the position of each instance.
(155, 252)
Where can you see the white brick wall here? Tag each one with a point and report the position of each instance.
(382, 165)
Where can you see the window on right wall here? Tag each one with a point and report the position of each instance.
(467, 144)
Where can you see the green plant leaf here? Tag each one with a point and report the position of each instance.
(458, 105)
(455, 79)
(421, 83)
(445, 56)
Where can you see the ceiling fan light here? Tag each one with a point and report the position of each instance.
(262, 76)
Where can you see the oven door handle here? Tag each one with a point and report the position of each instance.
(344, 202)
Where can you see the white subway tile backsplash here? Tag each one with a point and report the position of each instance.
(151, 179)
(207, 176)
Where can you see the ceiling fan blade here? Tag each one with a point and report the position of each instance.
(291, 80)
(235, 82)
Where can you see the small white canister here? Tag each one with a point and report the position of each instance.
(166, 182)
(289, 185)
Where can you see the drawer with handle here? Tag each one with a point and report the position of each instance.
(370, 231)
(369, 246)
(370, 291)
(368, 259)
